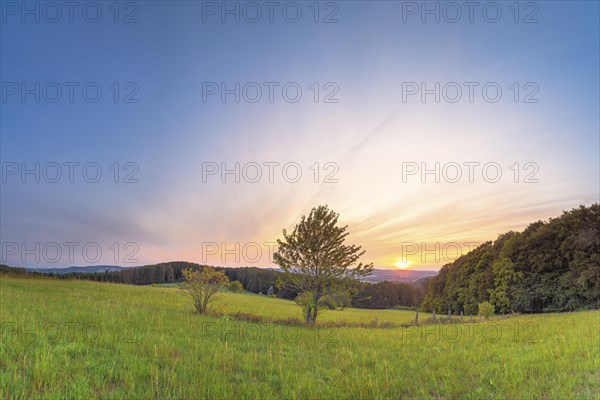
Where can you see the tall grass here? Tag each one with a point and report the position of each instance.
(77, 339)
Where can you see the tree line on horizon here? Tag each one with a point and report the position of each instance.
(369, 295)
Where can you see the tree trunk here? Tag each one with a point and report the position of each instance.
(308, 314)
(316, 305)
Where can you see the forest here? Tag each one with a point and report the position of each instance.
(550, 266)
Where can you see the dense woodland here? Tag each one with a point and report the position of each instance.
(550, 266)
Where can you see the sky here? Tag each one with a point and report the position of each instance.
(150, 131)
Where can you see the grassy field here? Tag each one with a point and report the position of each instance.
(281, 309)
(274, 308)
(77, 339)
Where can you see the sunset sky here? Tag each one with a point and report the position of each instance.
(367, 61)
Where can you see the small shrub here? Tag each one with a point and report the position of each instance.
(236, 287)
(336, 300)
(485, 309)
(202, 286)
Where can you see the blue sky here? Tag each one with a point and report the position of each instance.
(368, 136)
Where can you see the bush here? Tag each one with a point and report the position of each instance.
(203, 285)
(236, 287)
(336, 300)
(486, 309)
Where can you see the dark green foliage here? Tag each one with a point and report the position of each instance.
(316, 261)
(387, 295)
(8, 270)
(550, 266)
(236, 287)
(257, 280)
(337, 300)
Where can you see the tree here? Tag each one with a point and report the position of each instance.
(315, 261)
(486, 309)
(504, 276)
(236, 287)
(306, 301)
(202, 286)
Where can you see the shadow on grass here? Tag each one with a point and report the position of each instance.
(374, 323)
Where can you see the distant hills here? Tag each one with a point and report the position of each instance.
(91, 269)
(398, 275)
(391, 275)
(378, 275)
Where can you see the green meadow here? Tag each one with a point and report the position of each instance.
(79, 339)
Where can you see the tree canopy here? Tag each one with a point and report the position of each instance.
(316, 262)
(550, 266)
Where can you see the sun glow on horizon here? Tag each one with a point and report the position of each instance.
(402, 264)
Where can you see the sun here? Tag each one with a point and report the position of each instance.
(402, 264)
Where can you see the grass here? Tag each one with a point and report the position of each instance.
(77, 339)
(167, 285)
(281, 309)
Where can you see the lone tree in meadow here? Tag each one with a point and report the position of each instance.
(202, 286)
(316, 262)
